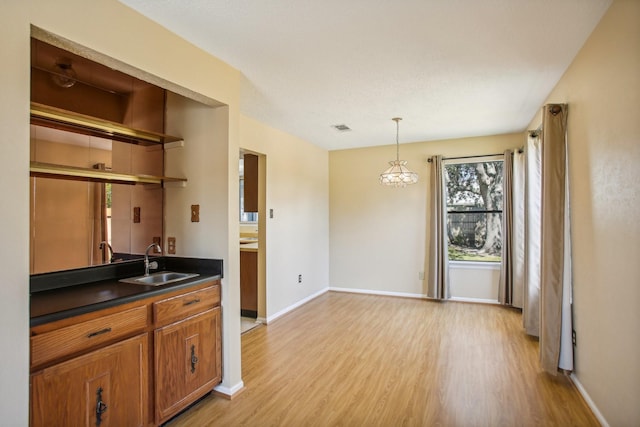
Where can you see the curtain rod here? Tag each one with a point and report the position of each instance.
(468, 157)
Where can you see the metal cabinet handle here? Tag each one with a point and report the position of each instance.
(101, 407)
(100, 332)
(194, 358)
(193, 301)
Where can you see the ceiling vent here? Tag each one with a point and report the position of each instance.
(342, 128)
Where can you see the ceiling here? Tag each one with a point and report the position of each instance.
(449, 68)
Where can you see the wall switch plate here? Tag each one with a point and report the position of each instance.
(171, 245)
(299, 278)
(195, 213)
(136, 214)
(270, 213)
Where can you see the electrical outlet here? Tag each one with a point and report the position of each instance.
(270, 213)
(573, 337)
(171, 245)
(299, 278)
(420, 275)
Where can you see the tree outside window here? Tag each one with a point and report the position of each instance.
(474, 210)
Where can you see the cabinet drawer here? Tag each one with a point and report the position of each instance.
(179, 307)
(72, 339)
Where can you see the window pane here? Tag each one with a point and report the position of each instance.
(474, 210)
(474, 236)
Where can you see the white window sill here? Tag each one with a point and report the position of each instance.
(474, 265)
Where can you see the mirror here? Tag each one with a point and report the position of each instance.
(76, 224)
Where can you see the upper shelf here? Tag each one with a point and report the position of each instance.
(57, 118)
(47, 170)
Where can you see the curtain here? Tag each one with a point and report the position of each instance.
(556, 349)
(518, 247)
(438, 271)
(533, 212)
(505, 287)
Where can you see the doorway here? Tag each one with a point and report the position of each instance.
(252, 239)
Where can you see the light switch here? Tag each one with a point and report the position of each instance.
(136, 214)
(195, 213)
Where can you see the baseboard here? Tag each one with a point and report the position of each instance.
(478, 300)
(589, 401)
(294, 306)
(229, 393)
(384, 293)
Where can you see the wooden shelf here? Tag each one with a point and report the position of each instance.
(47, 170)
(44, 115)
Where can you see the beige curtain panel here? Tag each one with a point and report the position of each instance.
(555, 319)
(438, 258)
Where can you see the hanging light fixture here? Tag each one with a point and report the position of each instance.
(398, 175)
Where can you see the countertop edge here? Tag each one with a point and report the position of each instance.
(150, 291)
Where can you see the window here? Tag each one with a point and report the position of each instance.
(474, 210)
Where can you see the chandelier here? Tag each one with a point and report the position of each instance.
(398, 175)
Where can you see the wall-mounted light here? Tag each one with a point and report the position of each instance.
(63, 73)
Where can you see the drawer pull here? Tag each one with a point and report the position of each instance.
(100, 332)
(193, 301)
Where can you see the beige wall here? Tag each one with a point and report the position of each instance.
(297, 237)
(110, 28)
(602, 88)
(377, 233)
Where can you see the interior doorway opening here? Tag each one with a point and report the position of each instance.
(252, 238)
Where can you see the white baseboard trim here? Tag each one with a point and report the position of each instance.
(589, 401)
(294, 306)
(384, 293)
(229, 391)
(478, 300)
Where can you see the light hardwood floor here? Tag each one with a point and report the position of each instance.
(362, 360)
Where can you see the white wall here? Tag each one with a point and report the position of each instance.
(297, 237)
(602, 89)
(377, 233)
(14, 223)
(471, 281)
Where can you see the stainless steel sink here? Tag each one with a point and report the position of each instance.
(159, 278)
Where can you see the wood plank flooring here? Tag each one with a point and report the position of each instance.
(363, 360)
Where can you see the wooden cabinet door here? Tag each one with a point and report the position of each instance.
(107, 387)
(249, 283)
(187, 363)
(250, 183)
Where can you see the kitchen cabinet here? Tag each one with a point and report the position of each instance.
(134, 364)
(107, 387)
(249, 283)
(250, 183)
(187, 351)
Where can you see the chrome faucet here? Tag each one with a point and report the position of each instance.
(153, 264)
(106, 244)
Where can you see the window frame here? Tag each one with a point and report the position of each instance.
(468, 160)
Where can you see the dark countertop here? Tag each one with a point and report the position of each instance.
(59, 295)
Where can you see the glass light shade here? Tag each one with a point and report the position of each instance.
(63, 75)
(398, 175)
